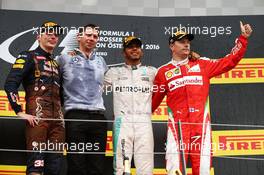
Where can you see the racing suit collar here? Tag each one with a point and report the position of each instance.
(179, 63)
(133, 67)
(43, 52)
(80, 53)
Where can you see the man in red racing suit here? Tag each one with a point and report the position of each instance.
(186, 84)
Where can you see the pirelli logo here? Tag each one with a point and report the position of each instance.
(12, 170)
(242, 142)
(5, 107)
(249, 70)
(109, 144)
(161, 113)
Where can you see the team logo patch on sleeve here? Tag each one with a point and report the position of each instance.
(18, 66)
(20, 61)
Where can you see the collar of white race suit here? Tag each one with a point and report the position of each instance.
(133, 67)
(179, 63)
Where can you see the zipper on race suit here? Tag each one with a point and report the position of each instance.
(132, 80)
(52, 87)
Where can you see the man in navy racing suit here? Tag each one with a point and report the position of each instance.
(38, 73)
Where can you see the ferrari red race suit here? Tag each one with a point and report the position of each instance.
(186, 85)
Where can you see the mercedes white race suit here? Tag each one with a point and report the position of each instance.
(133, 135)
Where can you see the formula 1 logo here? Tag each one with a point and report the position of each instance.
(69, 43)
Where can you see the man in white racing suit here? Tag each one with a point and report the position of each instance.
(132, 92)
